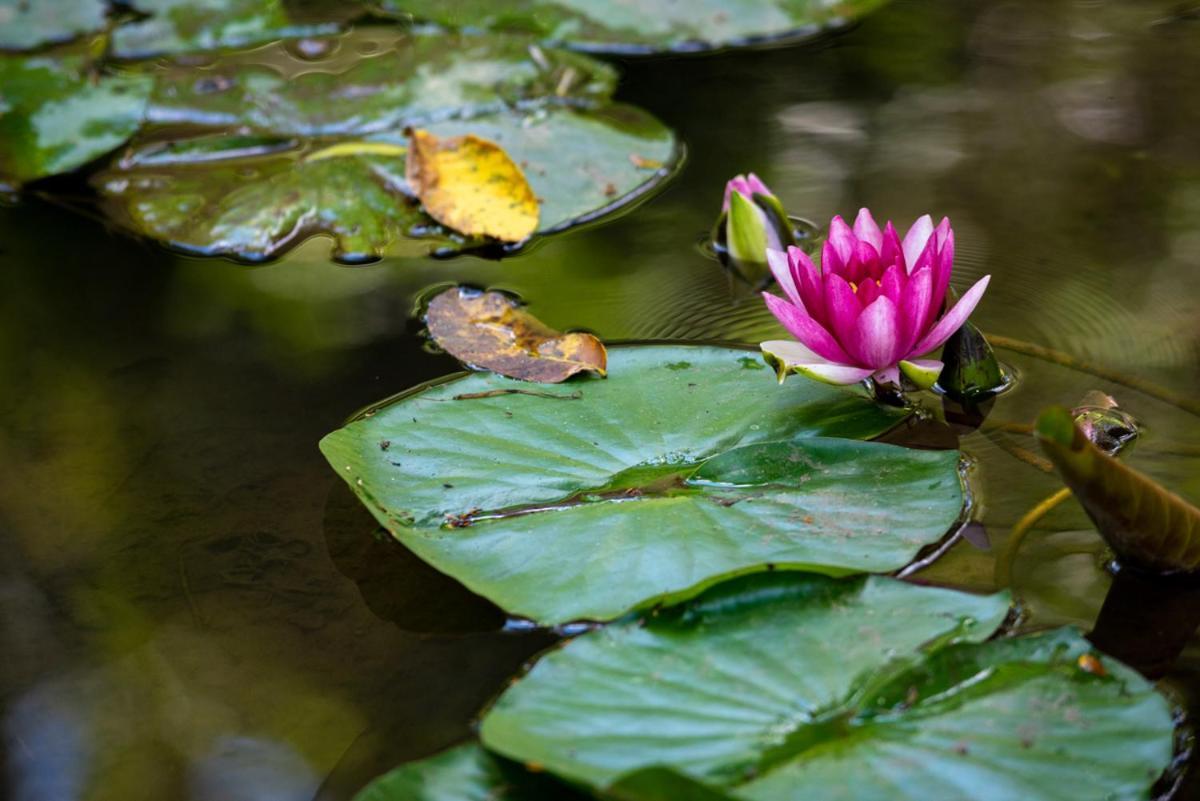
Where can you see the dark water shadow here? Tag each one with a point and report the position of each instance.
(394, 582)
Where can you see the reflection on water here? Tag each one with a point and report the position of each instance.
(191, 610)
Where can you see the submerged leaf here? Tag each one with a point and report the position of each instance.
(471, 185)
(645, 26)
(56, 117)
(26, 24)
(685, 466)
(490, 331)
(1143, 522)
(786, 686)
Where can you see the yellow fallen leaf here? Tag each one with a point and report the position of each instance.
(471, 185)
(491, 331)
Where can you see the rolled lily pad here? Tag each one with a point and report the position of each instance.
(1142, 521)
(179, 26)
(26, 24)
(687, 465)
(647, 26)
(797, 686)
(55, 117)
(287, 149)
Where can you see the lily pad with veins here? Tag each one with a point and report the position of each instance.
(789, 686)
(686, 466)
(327, 152)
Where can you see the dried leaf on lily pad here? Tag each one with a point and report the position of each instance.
(1143, 522)
(489, 330)
(320, 148)
(471, 185)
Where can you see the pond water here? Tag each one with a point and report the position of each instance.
(193, 606)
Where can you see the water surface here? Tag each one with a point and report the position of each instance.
(192, 606)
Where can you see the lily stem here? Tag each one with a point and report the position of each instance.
(1067, 360)
(1004, 562)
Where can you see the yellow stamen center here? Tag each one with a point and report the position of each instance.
(854, 286)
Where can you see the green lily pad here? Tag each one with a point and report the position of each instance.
(372, 80)
(55, 117)
(179, 26)
(26, 24)
(286, 147)
(469, 773)
(687, 465)
(619, 26)
(797, 686)
(464, 773)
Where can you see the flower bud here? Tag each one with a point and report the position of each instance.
(752, 222)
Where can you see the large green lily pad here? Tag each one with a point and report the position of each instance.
(55, 116)
(284, 146)
(798, 686)
(687, 465)
(178, 26)
(645, 26)
(26, 24)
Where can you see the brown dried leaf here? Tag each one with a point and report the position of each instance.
(471, 185)
(491, 331)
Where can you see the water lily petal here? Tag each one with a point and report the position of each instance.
(916, 312)
(927, 258)
(943, 267)
(781, 268)
(953, 319)
(942, 232)
(842, 308)
(756, 185)
(922, 372)
(868, 260)
(876, 339)
(737, 183)
(830, 373)
(868, 290)
(892, 250)
(893, 282)
(841, 242)
(888, 375)
(804, 328)
(867, 230)
(811, 289)
(915, 240)
(787, 356)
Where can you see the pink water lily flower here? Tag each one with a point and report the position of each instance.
(871, 309)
